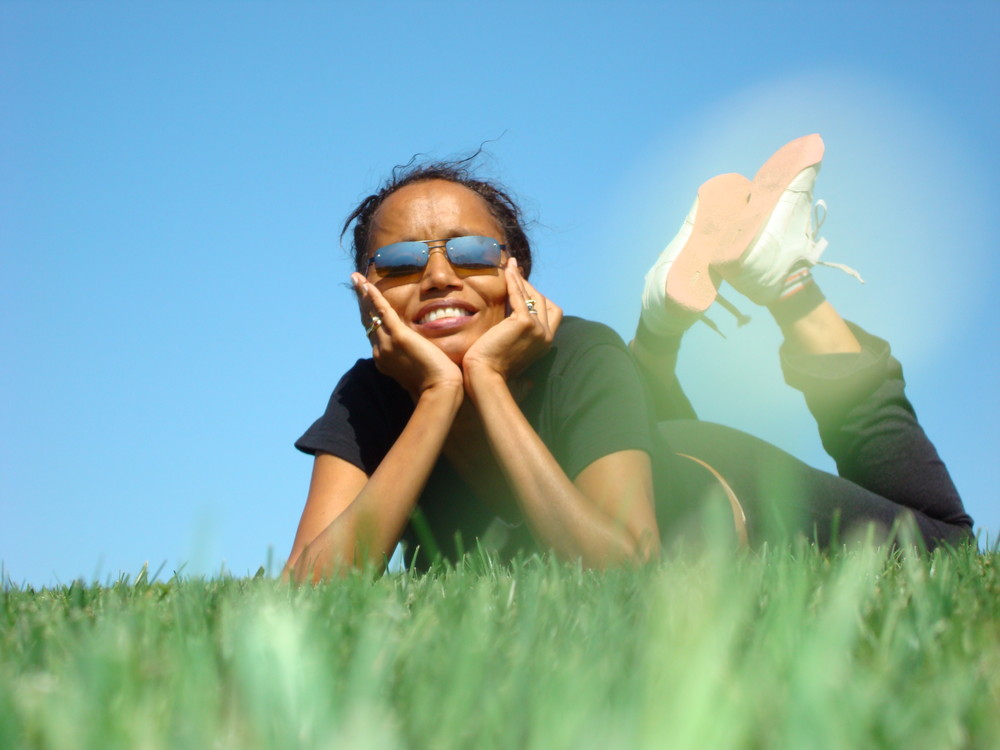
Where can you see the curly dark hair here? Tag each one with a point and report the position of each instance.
(501, 206)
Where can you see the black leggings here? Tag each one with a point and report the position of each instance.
(889, 470)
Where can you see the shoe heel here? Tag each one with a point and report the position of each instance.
(722, 200)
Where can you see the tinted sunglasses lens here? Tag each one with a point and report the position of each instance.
(400, 259)
(474, 252)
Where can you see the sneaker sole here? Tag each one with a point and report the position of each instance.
(722, 201)
(732, 212)
(771, 180)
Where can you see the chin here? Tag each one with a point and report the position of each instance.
(455, 350)
(457, 344)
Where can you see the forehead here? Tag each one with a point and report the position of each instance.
(435, 209)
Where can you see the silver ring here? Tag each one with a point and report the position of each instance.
(530, 303)
(376, 322)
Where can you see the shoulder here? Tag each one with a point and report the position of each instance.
(583, 350)
(362, 374)
(577, 335)
(366, 412)
(579, 340)
(588, 397)
(364, 387)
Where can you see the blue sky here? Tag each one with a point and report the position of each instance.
(173, 177)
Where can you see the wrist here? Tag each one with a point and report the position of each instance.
(444, 392)
(480, 378)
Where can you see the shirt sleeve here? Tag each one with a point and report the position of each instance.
(366, 413)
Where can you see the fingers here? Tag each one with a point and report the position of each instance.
(371, 321)
(518, 294)
(538, 307)
(546, 313)
(549, 310)
(364, 306)
(376, 312)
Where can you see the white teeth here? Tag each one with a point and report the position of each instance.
(444, 312)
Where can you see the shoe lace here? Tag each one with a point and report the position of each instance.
(819, 244)
(819, 214)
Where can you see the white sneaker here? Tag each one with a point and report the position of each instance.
(789, 240)
(681, 284)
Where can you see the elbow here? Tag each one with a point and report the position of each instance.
(642, 548)
(298, 571)
(641, 545)
(646, 548)
(309, 565)
(317, 563)
(628, 550)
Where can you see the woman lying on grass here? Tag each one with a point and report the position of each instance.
(484, 413)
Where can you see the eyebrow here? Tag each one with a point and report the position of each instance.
(450, 234)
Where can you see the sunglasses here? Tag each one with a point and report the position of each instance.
(472, 253)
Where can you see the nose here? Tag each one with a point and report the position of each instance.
(439, 273)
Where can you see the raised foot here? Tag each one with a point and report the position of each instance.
(690, 282)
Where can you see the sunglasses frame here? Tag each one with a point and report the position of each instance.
(442, 245)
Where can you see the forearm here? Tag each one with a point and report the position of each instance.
(368, 529)
(559, 514)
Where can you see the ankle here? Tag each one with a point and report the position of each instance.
(800, 296)
(650, 344)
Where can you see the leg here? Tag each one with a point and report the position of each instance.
(811, 325)
(657, 360)
(888, 467)
(869, 427)
(812, 329)
(733, 221)
(851, 383)
(855, 390)
(781, 496)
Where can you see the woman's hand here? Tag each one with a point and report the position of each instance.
(399, 351)
(522, 337)
(352, 519)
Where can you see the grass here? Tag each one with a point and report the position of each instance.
(786, 648)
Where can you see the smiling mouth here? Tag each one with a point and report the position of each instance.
(444, 312)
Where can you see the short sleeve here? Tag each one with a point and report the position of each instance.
(366, 413)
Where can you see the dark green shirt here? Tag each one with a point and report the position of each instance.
(584, 398)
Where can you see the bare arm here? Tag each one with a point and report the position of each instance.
(606, 516)
(351, 519)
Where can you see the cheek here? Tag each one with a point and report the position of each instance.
(395, 294)
(497, 302)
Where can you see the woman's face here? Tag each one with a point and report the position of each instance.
(472, 301)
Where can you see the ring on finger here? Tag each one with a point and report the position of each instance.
(530, 303)
(376, 322)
